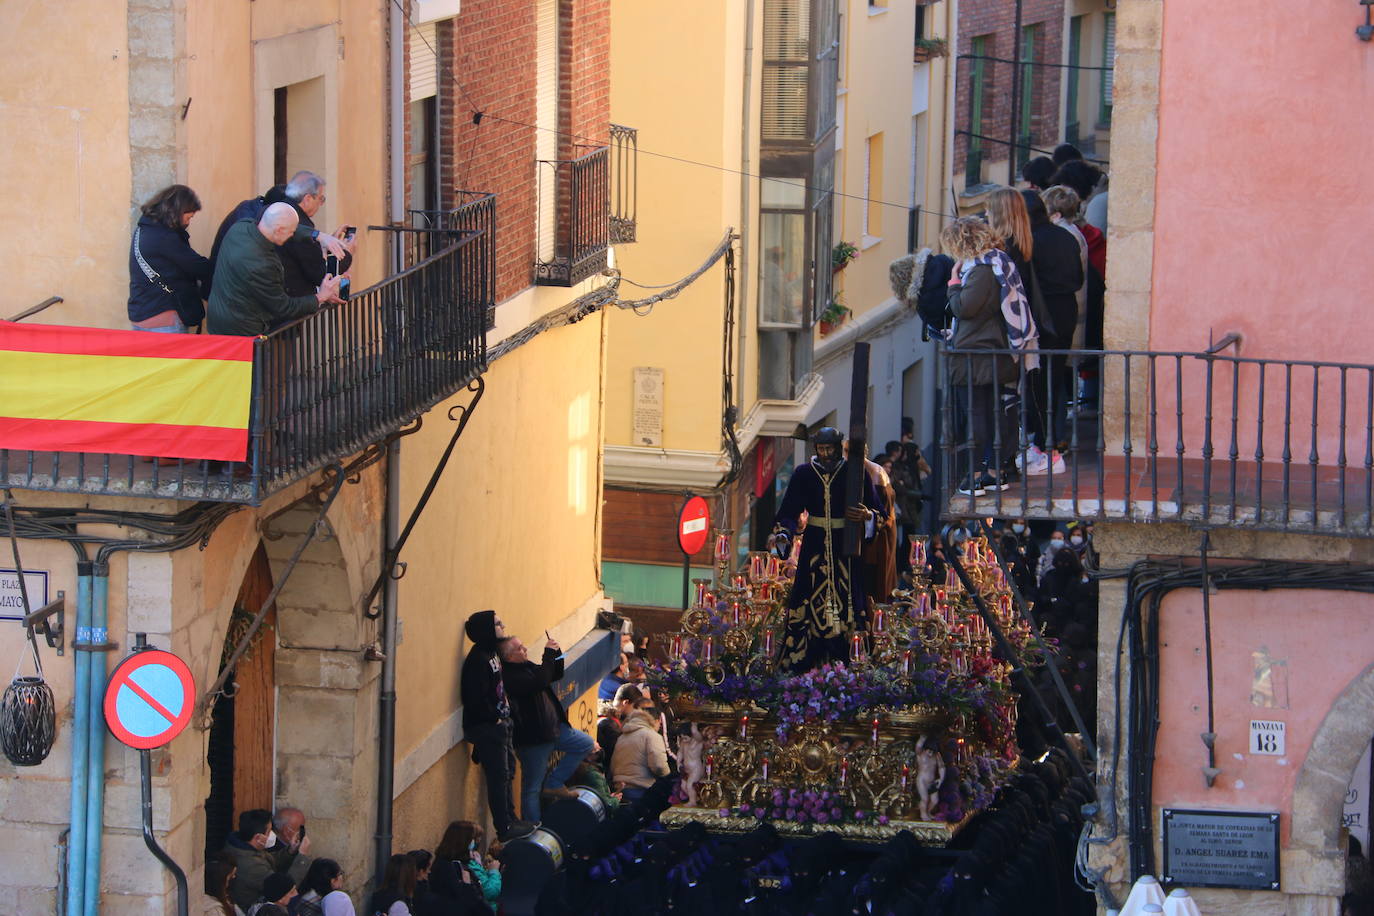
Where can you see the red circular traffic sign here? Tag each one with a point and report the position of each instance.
(693, 525)
(149, 699)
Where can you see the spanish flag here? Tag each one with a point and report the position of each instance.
(74, 389)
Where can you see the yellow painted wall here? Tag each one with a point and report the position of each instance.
(64, 143)
(876, 83)
(514, 523)
(676, 76)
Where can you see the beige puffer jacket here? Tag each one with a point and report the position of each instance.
(640, 754)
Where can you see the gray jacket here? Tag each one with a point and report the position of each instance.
(977, 306)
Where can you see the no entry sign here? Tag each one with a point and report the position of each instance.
(693, 525)
(149, 699)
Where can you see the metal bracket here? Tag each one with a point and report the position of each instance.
(1366, 32)
(52, 631)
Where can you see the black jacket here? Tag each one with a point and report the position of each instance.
(169, 253)
(483, 692)
(454, 895)
(538, 713)
(302, 259)
(1059, 271)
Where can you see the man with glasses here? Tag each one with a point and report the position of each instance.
(487, 721)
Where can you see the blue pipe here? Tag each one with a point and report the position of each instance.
(95, 768)
(76, 849)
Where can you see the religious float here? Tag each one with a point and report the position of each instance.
(915, 731)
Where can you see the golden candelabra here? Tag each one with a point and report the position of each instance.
(884, 766)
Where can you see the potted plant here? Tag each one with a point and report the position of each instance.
(926, 48)
(833, 316)
(842, 254)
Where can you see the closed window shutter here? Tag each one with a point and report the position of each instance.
(546, 119)
(786, 49)
(424, 66)
(1108, 58)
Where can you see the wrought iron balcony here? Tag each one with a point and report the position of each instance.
(427, 232)
(1204, 439)
(324, 387)
(624, 183)
(576, 194)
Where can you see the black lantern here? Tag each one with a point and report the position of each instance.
(28, 721)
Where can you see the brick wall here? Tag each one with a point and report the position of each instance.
(997, 19)
(491, 49)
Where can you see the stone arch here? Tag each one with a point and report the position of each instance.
(1319, 791)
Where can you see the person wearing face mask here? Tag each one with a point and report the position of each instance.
(451, 876)
(1056, 544)
(1080, 541)
(251, 850)
(1066, 594)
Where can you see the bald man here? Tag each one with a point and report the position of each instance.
(248, 297)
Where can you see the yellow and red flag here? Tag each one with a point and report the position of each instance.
(75, 389)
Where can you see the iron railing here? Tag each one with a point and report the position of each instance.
(428, 232)
(624, 184)
(324, 387)
(582, 228)
(1206, 439)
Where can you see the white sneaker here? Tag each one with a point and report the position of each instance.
(1032, 457)
(1037, 463)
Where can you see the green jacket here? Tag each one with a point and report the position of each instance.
(248, 296)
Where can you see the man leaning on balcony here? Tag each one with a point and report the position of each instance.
(248, 297)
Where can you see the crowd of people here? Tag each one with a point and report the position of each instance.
(266, 869)
(1026, 276)
(269, 264)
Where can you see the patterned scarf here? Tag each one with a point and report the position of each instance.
(1016, 313)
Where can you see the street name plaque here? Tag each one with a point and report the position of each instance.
(1237, 849)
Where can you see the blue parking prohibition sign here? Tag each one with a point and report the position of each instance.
(149, 699)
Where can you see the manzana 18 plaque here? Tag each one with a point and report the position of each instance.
(1221, 849)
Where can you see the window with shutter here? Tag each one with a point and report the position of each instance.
(786, 44)
(424, 65)
(1109, 61)
(546, 119)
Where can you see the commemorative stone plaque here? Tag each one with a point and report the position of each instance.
(1221, 849)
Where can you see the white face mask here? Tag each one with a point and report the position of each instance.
(472, 846)
(271, 839)
(1076, 540)
(1018, 528)
(1056, 543)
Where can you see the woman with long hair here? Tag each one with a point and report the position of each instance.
(322, 892)
(395, 895)
(458, 872)
(219, 871)
(168, 280)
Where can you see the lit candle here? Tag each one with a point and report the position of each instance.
(879, 620)
(723, 546)
(710, 764)
(875, 729)
(906, 663)
(708, 600)
(941, 594)
(743, 727)
(768, 642)
(764, 768)
(906, 773)
(710, 649)
(856, 648)
(701, 592)
(676, 650)
(951, 580)
(735, 612)
(844, 771)
(738, 580)
(922, 604)
(756, 566)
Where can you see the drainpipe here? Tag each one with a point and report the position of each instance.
(745, 209)
(81, 711)
(95, 720)
(386, 701)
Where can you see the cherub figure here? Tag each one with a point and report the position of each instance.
(930, 773)
(690, 747)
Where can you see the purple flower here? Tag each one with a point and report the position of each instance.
(822, 818)
(858, 815)
(882, 818)
(724, 812)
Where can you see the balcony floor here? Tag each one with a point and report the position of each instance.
(1317, 498)
(124, 475)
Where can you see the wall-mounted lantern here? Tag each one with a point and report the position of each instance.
(1366, 32)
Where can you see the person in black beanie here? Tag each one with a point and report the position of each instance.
(487, 721)
(1038, 172)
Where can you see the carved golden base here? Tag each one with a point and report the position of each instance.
(929, 833)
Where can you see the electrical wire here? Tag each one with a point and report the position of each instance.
(479, 115)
